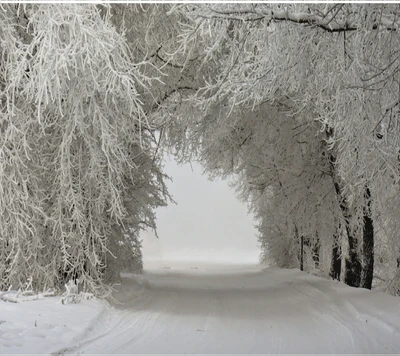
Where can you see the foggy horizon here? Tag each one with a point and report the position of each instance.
(208, 223)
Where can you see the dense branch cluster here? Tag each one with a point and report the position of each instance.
(77, 171)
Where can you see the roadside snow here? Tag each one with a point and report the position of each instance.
(209, 309)
(44, 326)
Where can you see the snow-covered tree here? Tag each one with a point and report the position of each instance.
(77, 150)
(333, 68)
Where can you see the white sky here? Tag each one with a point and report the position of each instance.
(207, 224)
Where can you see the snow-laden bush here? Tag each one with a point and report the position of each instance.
(25, 293)
(72, 295)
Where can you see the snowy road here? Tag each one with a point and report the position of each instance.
(248, 309)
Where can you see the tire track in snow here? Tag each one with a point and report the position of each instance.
(362, 324)
(319, 311)
(129, 328)
(268, 311)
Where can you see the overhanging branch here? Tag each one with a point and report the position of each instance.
(327, 23)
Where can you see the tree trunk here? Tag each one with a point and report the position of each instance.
(395, 286)
(368, 244)
(336, 262)
(300, 239)
(315, 253)
(301, 253)
(352, 263)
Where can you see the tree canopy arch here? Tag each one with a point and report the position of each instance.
(298, 102)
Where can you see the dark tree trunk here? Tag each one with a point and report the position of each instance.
(352, 263)
(368, 244)
(300, 239)
(336, 263)
(315, 253)
(301, 253)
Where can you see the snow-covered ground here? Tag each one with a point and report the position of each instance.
(43, 326)
(201, 308)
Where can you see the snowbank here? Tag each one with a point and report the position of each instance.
(45, 326)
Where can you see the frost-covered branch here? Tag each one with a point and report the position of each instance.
(328, 20)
